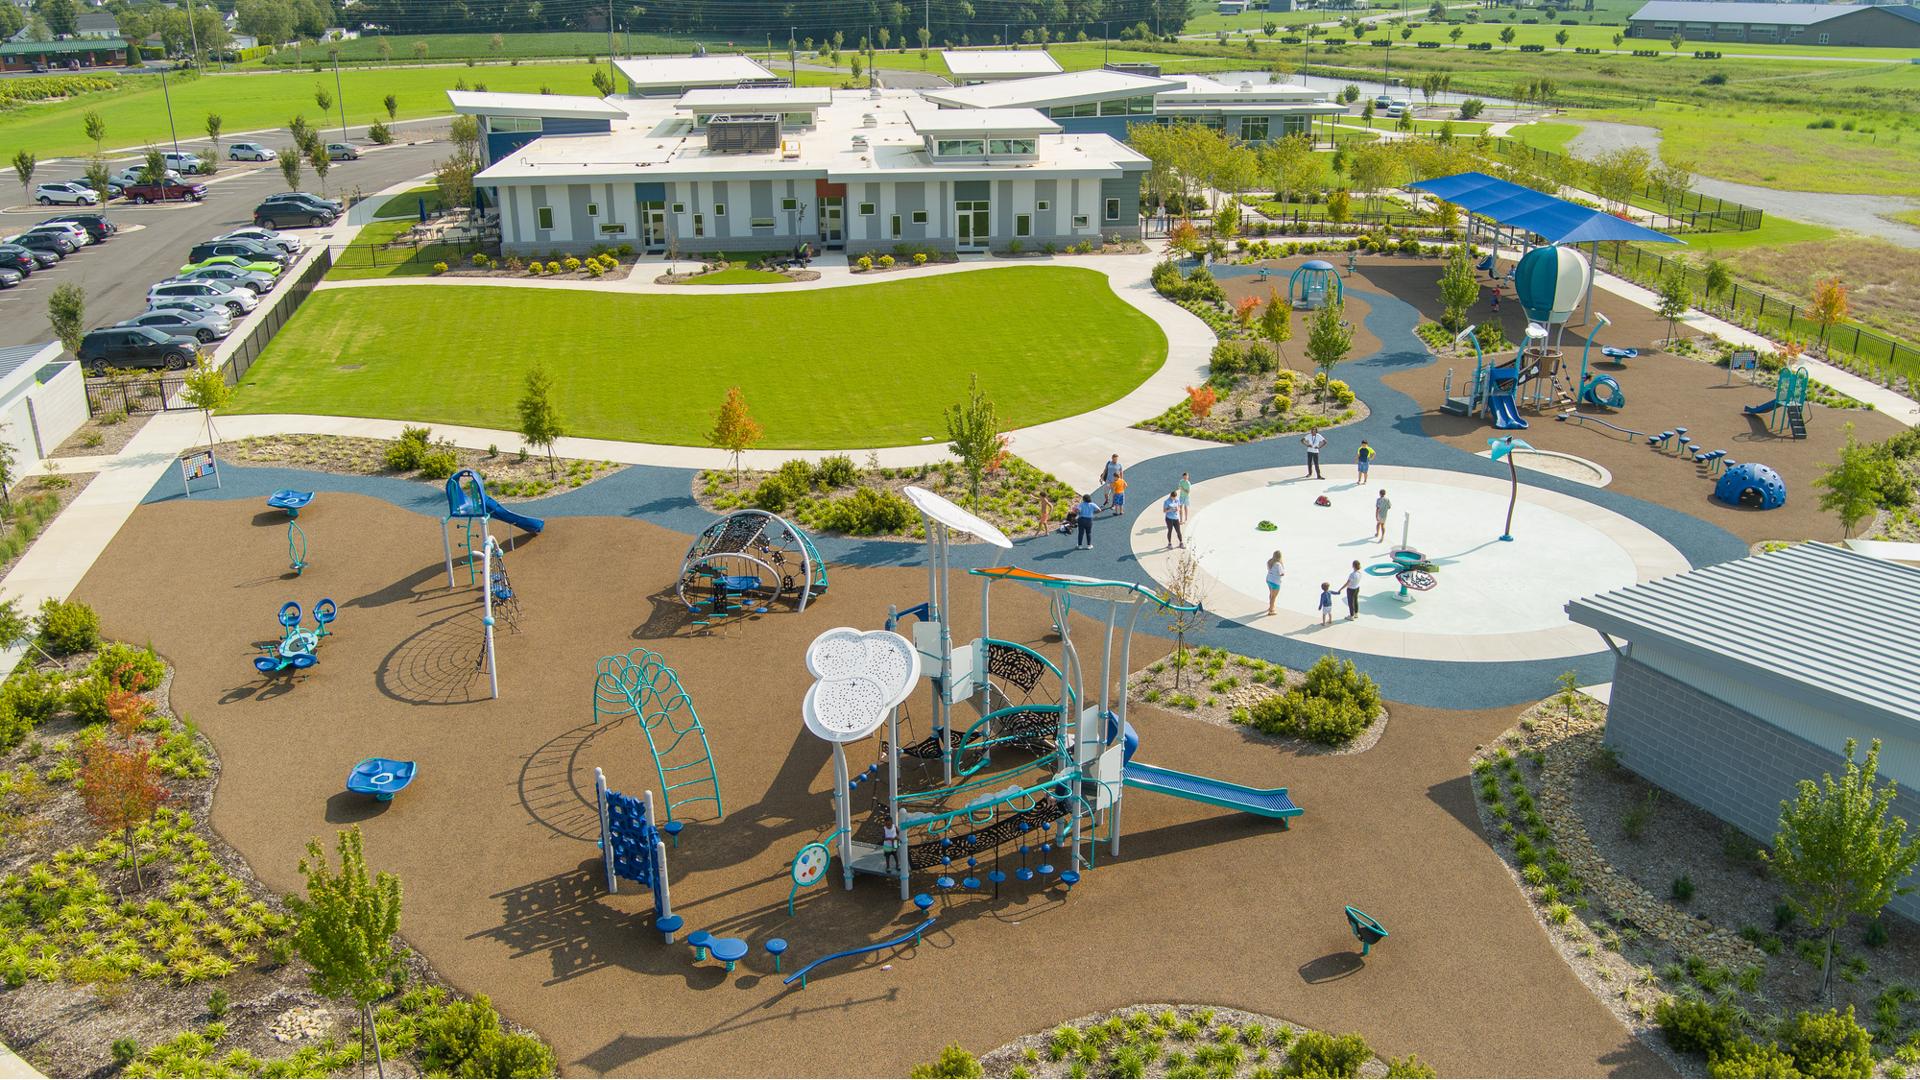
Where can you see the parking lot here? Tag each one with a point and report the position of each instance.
(153, 240)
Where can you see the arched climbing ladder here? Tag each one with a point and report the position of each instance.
(641, 685)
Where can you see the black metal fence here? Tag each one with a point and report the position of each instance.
(451, 248)
(1686, 209)
(160, 391)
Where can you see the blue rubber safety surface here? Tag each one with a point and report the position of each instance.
(664, 497)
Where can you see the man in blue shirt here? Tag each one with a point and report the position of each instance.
(1084, 515)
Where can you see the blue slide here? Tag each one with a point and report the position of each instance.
(1269, 802)
(1762, 408)
(521, 521)
(1505, 416)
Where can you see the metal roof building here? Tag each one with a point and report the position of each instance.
(1734, 682)
(1787, 24)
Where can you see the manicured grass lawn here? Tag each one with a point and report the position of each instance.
(1546, 135)
(407, 203)
(869, 365)
(739, 277)
(1773, 231)
(480, 46)
(367, 257)
(136, 112)
(1775, 148)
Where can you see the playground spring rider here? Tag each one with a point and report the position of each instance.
(299, 647)
(1601, 390)
(292, 502)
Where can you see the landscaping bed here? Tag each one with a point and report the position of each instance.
(1672, 918)
(106, 433)
(1265, 700)
(509, 476)
(1259, 405)
(1188, 1040)
(187, 967)
(35, 503)
(837, 496)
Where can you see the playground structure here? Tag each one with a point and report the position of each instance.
(1408, 566)
(382, 778)
(641, 685)
(1365, 930)
(293, 502)
(1313, 284)
(744, 562)
(1549, 282)
(470, 505)
(1788, 409)
(1751, 485)
(1044, 762)
(1492, 390)
(299, 647)
(631, 848)
(1601, 390)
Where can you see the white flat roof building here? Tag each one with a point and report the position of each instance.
(1068, 88)
(650, 75)
(992, 65)
(485, 103)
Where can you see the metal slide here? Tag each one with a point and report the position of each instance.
(1268, 802)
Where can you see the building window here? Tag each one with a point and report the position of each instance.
(866, 209)
(762, 223)
(1114, 107)
(612, 228)
(719, 209)
(1042, 206)
(796, 119)
(593, 209)
(1253, 128)
(543, 217)
(679, 208)
(1825, 38)
(790, 204)
(1023, 224)
(502, 124)
(1010, 146)
(895, 222)
(1113, 209)
(919, 217)
(699, 224)
(959, 148)
(1079, 221)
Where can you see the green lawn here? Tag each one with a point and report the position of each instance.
(370, 257)
(739, 276)
(136, 112)
(872, 365)
(1546, 135)
(1775, 147)
(480, 46)
(407, 203)
(1774, 230)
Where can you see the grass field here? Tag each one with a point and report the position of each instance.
(368, 257)
(480, 46)
(1774, 231)
(740, 276)
(872, 365)
(407, 203)
(136, 113)
(1775, 148)
(1546, 135)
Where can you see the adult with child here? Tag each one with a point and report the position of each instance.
(1276, 570)
(1109, 472)
(1380, 507)
(1314, 442)
(1083, 517)
(1353, 592)
(1171, 508)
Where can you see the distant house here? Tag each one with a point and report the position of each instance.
(81, 52)
(96, 24)
(1705, 21)
(1232, 7)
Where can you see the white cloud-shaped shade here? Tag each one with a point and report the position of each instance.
(858, 676)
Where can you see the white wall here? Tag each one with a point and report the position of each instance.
(59, 404)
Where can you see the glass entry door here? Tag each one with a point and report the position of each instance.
(972, 225)
(653, 226)
(832, 229)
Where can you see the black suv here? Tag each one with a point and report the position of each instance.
(250, 250)
(293, 210)
(44, 241)
(135, 347)
(97, 225)
(18, 258)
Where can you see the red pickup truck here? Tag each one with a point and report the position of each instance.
(165, 191)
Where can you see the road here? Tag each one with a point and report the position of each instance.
(154, 240)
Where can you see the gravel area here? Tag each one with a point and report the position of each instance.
(509, 475)
(111, 437)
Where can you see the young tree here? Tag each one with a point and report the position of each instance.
(1276, 323)
(1453, 35)
(1838, 852)
(345, 927)
(1507, 34)
(1678, 39)
(99, 174)
(540, 423)
(67, 311)
(1830, 305)
(386, 50)
(121, 790)
(95, 127)
(214, 124)
(973, 426)
(206, 389)
(1561, 37)
(734, 429)
(419, 50)
(1719, 278)
(1617, 39)
(392, 103)
(24, 163)
(495, 44)
(317, 157)
(1187, 585)
(290, 166)
(323, 98)
(1458, 289)
(602, 82)
(1675, 298)
(1329, 338)
(1851, 486)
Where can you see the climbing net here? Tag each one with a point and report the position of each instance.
(747, 560)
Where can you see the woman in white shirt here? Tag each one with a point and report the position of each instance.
(1276, 569)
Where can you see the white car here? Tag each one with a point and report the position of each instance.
(186, 163)
(238, 301)
(65, 193)
(250, 151)
(135, 174)
(72, 230)
(287, 242)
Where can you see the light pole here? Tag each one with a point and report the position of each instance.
(169, 100)
(793, 57)
(340, 96)
(1106, 34)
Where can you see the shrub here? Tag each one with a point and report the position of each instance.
(464, 1039)
(380, 134)
(1316, 1053)
(217, 1003)
(1410, 1067)
(919, 258)
(125, 1050)
(955, 1061)
(865, 262)
(1340, 392)
(1683, 888)
(625, 251)
(14, 728)
(439, 268)
(68, 627)
(480, 259)
(439, 462)
(594, 269)
(886, 262)
(1281, 404)
(535, 268)
(869, 512)
(1261, 359)
(1749, 1060)
(571, 264)
(1226, 362)
(405, 453)
(554, 267)
(1693, 1026)
(836, 471)
(1831, 1043)
(130, 667)
(32, 695)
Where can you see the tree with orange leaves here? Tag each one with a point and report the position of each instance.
(1200, 400)
(121, 790)
(1830, 305)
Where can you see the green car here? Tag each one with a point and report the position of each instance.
(271, 269)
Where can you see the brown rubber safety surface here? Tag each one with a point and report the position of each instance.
(495, 842)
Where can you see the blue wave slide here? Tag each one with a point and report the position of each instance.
(519, 521)
(1505, 416)
(1266, 802)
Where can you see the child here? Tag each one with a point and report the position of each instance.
(1366, 460)
(1119, 496)
(1186, 496)
(1326, 604)
(1046, 512)
(1276, 570)
(1381, 506)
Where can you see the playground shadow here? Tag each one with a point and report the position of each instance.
(1331, 967)
(411, 587)
(437, 664)
(349, 808)
(550, 788)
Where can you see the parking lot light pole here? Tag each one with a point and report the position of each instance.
(169, 100)
(340, 96)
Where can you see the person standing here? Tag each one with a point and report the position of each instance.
(1046, 512)
(1172, 510)
(1365, 460)
(1109, 472)
(1326, 604)
(890, 846)
(1186, 497)
(1353, 592)
(1314, 442)
(1380, 507)
(1084, 515)
(1276, 570)
(1119, 496)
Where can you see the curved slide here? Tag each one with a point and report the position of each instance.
(1763, 408)
(1505, 415)
(1266, 802)
(519, 521)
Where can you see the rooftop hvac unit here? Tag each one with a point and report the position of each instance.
(1152, 71)
(859, 142)
(869, 120)
(743, 134)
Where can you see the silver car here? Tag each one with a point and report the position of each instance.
(237, 300)
(204, 326)
(232, 275)
(286, 242)
(190, 304)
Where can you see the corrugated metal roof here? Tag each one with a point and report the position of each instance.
(1814, 622)
(1710, 11)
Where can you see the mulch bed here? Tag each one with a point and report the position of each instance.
(1201, 694)
(75, 483)
(113, 437)
(509, 476)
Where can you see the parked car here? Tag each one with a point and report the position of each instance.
(136, 174)
(57, 243)
(20, 259)
(166, 191)
(188, 164)
(250, 151)
(73, 231)
(332, 204)
(114, 187)
(267, 267)
(255, 282)
(135, 347)
(292, 210)
(200, 325)
(12, 253)
(65, 193)
(237, 300)
(286, 242)
(190, 304)
(246, 250)
(339, 151)
(9, 277)
(96, 224)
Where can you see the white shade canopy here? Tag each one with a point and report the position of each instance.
(946, 512)
(858, 676)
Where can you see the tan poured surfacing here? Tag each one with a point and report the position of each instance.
(495, 841)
